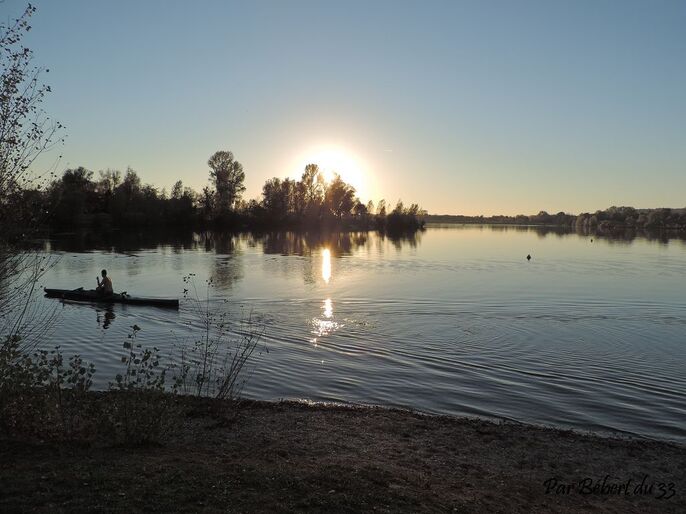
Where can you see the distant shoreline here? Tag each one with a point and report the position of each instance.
(608, 220)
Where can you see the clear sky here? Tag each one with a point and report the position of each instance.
(464, 107)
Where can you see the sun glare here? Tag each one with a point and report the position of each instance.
(326, 265)
(336, 160)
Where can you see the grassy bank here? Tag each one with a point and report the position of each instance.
(275, 457)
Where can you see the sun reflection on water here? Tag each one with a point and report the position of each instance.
(326, 265)
(328, 308)
(324, 325)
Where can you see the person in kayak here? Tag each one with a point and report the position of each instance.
(105, 287)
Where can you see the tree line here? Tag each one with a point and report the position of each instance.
(113, 199)
(601, 220)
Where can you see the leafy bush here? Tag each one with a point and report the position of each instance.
(39, 394)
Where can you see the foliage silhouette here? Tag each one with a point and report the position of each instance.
(77, 200)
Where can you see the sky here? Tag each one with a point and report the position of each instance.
(465, 107)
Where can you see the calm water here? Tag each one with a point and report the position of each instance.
(588, 334)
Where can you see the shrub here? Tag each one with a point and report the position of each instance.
(41, 395)
(214, 364)
(140, 409)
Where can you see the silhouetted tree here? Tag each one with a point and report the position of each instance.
(109, 180)
(312, 186)
(73, 197)
(130, 186)
(177, 190)
(207, 202)
(381, 210)
(25, 130)
(272, 198)
(228, 177)
(360, 209)
(402, 219)
(25, 133)
(339, 197)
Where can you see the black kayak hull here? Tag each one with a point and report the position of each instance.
(84, 295)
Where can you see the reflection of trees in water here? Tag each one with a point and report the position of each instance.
(541, 231)
(627, 235)
(219, 242)
(313, 245)
(228, 269)
(284, 243)
(616, 235)
(279, 242)
(305, 244)
(123, 241)
(411, 239)
(308, 243)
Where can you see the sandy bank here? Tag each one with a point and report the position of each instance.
(278, 457)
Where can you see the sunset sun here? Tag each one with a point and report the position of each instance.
(334, 160)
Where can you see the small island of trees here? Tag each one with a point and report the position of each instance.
(79, 199)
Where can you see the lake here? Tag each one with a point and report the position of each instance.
(588, 334)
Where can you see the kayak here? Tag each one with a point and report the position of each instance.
(89, 295)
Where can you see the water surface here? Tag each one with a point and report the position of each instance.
(589, 334)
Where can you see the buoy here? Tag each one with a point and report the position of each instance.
(528, 257)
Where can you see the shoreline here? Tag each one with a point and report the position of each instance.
(294, 455)
(497, 420)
